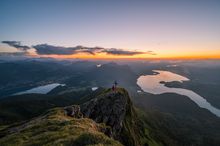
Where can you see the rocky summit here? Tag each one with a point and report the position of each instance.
(113, 108)
(109, 108)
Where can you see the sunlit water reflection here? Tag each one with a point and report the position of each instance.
(41, 89)
(152, 84)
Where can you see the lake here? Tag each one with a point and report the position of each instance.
(40, 89)
(152, 84)
(94, 88)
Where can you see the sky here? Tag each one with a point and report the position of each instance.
(119, 28)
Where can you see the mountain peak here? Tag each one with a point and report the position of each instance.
(109, 108)
(115, 109)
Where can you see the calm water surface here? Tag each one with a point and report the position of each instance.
(94, 88)
(151, 84)
(41, 89)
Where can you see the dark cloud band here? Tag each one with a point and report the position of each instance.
(122, 52)
(17, 45)
(45, 49)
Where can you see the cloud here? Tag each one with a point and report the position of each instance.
(88, 50)
(45, 49)
(114, 51)
(17, 45)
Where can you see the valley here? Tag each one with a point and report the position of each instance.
(180, 116)
(109, 73)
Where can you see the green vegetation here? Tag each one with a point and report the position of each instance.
(177, 121)
(55, 128)
(170, 125)
(24, 107)
(166, 119)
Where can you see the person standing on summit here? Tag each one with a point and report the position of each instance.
(114, 86)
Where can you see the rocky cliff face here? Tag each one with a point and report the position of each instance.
(108, 108)
(115, 110)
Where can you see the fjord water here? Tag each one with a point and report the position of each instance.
(152, 84)
(40, 89)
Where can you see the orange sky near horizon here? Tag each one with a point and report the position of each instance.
(103, 56)
(168, 50)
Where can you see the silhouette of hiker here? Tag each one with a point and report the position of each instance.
(114, 86)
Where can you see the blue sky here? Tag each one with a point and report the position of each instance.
(157, 25)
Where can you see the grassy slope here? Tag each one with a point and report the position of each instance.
(24, 107)
(55, 128)
(177, 121)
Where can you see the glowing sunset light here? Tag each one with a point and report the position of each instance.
(168, 29)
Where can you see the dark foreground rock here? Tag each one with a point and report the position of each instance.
(115, 110)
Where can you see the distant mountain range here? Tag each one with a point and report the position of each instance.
(122, 118)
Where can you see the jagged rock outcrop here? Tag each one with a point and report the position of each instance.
(73, 111)
(108, 108)
(115, 110)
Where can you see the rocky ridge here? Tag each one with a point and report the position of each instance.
(114, 109)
